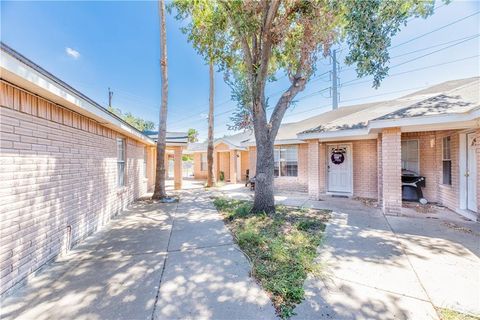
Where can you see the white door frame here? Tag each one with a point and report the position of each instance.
(463, 169)
(327, 162)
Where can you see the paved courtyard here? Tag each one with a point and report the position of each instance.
(178, 261)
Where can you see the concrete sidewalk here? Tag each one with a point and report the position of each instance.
(387, 267)
(155, 261)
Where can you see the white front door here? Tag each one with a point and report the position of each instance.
(339, 167)
(471, 172)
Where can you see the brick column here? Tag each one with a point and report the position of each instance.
(177, 168)
(233, 166)
(316, 169)
(379, 169)
(391, 154)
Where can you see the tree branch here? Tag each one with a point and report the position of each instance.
(243, 39)
(298, 84)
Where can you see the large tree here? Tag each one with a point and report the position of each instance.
(159, 192)
(254, 40)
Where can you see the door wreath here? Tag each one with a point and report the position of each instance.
(338, 155)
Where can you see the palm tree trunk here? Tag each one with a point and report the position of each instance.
(159, 192)
(210, 129)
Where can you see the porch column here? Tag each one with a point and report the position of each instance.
(316, 169)
(167, 157)
(391, 153)
(233, 166)
(215, 166)
(177, 175)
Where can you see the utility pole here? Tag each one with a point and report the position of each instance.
(110, 96)
(334, 80)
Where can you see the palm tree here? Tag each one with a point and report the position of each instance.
(159, 192)
(210, 129)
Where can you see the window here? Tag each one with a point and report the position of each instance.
(120, 162)
(410, 156)
(203, 162)
(446, 161)
(145, 162)
(286, 161)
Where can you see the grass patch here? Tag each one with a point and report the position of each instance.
(281, 247)
(447, 314)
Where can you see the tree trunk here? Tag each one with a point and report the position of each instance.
(264, 198)
(210, 129)
(159, 192)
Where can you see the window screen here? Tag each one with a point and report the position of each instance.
(120, 162)
(447, 161)
(410, 155)
(286, 161)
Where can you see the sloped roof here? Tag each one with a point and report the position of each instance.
(21, 71)
(457, 96)
(172, 137)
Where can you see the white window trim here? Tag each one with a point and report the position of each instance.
(122, 161)
(203, 168)
(277, 149)
(418, 152)
(445, 159)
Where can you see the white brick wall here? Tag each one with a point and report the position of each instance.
(58, 170)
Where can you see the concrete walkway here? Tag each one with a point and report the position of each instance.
(155, 261)
(385, 267)
(178, 261)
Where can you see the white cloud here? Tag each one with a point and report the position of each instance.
(203, 115)
(72, 53)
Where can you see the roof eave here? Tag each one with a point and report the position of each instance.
(25, 76)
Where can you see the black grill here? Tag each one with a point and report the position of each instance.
(412, 185)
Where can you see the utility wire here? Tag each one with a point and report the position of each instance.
(435, 30)
(426, 48)
(392, 75)
(353, 81)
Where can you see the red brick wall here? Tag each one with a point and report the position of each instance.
(198, 173)
(428, 163)
(391, 171)
(448, 195)
(478, 174)
(365, 168)
(299, 183)
(58, 169)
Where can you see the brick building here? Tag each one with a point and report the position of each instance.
(67, 165)
(362, 150)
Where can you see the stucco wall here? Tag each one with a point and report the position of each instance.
(59, 181)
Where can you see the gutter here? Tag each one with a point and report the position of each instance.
(122, 126)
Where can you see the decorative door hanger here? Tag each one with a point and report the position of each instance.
(338, 155)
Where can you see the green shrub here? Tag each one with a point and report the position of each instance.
(222, 176)
(282, 247)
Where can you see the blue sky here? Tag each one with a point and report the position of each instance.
(96, 45)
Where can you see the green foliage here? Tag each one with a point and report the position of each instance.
(235, 35)
(187, 157)
(448, 314)
(192, 135)
(282, 247)
(222, 176)
(136, 122)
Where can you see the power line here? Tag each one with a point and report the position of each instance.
(357, 83)
(360, 98)
(189, 118)
(427, 54)
(435, 30)
(352, 82)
